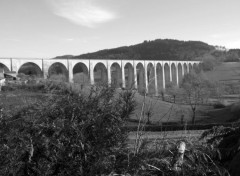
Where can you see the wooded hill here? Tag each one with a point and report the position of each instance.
(158, 49)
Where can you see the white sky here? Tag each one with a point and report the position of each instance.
(48, 28)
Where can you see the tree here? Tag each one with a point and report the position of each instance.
(173, 90)
(232, 56)
(196, 90)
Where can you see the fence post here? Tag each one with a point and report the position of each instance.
(178, 156)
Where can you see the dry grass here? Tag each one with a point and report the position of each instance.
(151, 137)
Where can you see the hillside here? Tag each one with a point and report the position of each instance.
(150, 50)
(228, 71)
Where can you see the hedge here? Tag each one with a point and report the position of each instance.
(181, 127)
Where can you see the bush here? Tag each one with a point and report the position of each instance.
(58, 77)
(235, 110)
(218, 105)
(225, 140)
(8, 88)
(67, 134)
(81, 78)
(207, 65)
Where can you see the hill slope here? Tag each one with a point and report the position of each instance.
(225, 72)
(151, 50)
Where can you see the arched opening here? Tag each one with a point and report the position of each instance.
(100, 73)
(185, 68)
(140, 77)
(3, 68)
(190, 68)
(129, 76)
(58, 72)
(159, 77)
(167, 73)
(30, 69)
(150, 78)
(116, 75)
(174, 74)
(80, 74)
(180, 73)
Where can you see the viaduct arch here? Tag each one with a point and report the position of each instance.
(144, 75)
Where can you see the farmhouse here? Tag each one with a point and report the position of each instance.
(10, 75)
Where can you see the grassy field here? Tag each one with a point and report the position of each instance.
(166, 112)
(161, 112)
(168, 134)
(226, 71)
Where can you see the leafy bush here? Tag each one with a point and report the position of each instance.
(81, 78)
(68, 134)
(207, 65)
(58, 77)
(218, 105)
(226, 142)
(235, 110)
(8, 88)
(11, 86)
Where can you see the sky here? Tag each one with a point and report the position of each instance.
(49, 28)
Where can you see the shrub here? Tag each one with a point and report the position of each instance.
(235, 110)
(160, 158)
(81, 78)
(207, 65)
(225, 140)
(8, 88)
(67, 134)
(218, 105)
(58, 77)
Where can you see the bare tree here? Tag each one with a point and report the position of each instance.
(196, 91)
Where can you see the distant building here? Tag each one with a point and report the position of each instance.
(10, 75)
(221, 48)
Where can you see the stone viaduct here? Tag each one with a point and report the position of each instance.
(151, 75)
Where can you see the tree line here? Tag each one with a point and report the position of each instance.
(164, 49)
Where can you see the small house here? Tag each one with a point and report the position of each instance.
(10, 75)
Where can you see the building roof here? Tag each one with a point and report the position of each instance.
(10, 74)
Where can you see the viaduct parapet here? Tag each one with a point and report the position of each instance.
(149, 75)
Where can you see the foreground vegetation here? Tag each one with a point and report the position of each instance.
(66, 132)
